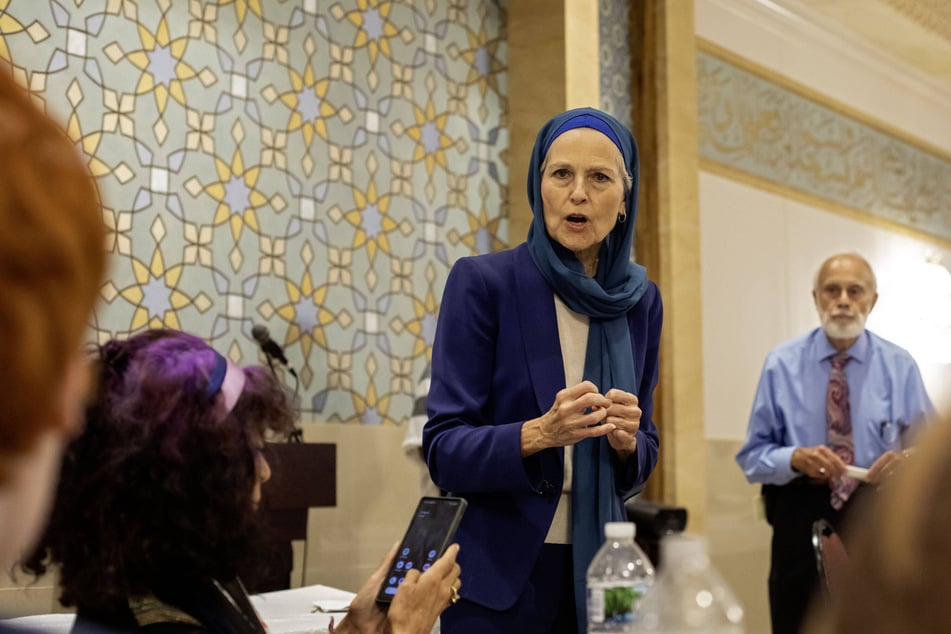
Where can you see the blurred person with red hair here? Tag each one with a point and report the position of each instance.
(896, 577)
(52, 262)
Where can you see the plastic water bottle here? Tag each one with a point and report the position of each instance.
(618, 577)
(689, 595)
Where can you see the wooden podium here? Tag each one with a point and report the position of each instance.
(303, 476)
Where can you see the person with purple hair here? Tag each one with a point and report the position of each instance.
(156, 511)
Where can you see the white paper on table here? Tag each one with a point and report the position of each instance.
(50, 623)
(294, 611)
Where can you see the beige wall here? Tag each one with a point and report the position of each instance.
(20, 594)
(543, 80)
(377, 490)
(668, 240)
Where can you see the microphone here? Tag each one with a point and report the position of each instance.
(268, 345)
(272, 350)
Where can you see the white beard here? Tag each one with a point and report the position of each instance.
(837, 329)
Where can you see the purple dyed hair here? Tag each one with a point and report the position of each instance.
(159, 487)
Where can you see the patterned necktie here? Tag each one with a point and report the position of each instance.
(839, 418)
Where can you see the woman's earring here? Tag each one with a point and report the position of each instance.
(621, 217)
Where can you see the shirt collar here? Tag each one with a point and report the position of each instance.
(858, 351)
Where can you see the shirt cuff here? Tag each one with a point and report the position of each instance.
(782, 458)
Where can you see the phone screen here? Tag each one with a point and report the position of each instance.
(429, 534)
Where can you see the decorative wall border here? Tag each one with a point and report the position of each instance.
(762, 128)
(934, 16)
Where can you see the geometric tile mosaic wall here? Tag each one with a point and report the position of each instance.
(314, 167)
(771, 132)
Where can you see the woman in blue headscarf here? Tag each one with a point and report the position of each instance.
(544, 367)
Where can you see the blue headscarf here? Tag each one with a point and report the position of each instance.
(606, 299)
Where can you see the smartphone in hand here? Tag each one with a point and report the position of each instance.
(429, 534)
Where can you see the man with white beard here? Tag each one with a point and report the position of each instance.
(839, 396)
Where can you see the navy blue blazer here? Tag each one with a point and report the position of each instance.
(497, 362)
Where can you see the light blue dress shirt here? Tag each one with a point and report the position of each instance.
(886, 394)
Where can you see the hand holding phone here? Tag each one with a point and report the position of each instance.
(423, 597)
(429, 534)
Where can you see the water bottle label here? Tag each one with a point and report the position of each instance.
(612, 604)
(595, 605)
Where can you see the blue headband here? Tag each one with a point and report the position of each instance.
(585, 121)
(226, 378)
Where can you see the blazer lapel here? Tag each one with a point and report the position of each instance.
(536, 313)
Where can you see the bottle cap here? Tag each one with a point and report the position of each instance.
(620, 530)
(682, 547)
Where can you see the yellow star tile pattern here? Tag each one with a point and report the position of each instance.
(429, 133)
(374, 28)
(236, 194)
(371, 221)
(155, 294)
(309, 106)
(312, 167)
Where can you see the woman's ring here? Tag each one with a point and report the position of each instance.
(822, 470)
(455, 595)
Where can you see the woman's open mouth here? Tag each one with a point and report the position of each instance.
(577, 220)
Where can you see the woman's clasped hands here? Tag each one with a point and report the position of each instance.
(581, 411)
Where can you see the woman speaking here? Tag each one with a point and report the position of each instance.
(544, 367)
